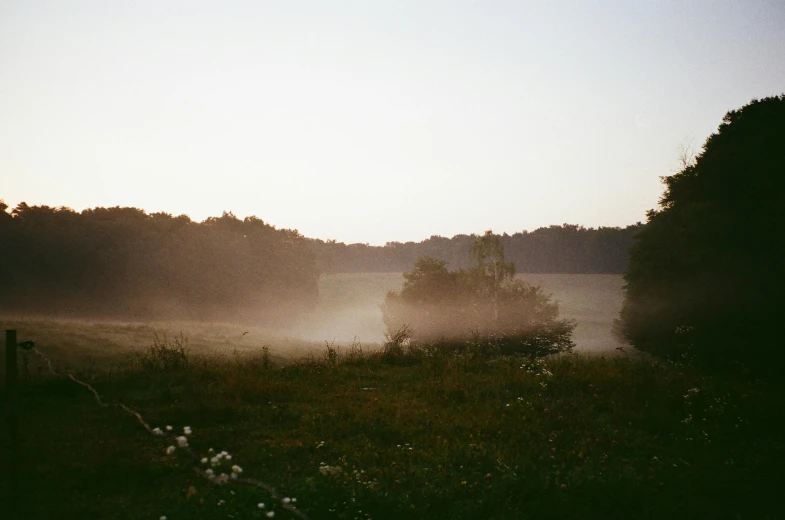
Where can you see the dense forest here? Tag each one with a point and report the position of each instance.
(555, 249)
(123, 262)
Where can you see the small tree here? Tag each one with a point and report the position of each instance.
(483, 303)
(489, 268)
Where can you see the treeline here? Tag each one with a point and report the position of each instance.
(125, 263)
(555, 249)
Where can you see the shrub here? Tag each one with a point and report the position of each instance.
(165, 354)
(484, 303)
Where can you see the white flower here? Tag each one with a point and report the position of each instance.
(204, 460)
(260, 505)
(182, 441)
(228, 457)
(286, 500)
(271, 514)
(294, 500)
(168, 428)
(211, 450)
(234, 474)
(157, 431)
(187, 430)
(209, 472)
(170, 450)
(162, 517)
(237, 469)
(214, 461)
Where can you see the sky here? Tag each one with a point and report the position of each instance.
(372, 121)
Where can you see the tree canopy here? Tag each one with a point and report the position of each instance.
(482, 303)
(125, 263)
(708, 269)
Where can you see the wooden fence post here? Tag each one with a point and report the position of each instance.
(13, 422)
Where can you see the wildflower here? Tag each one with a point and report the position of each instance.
(237, 469)
(157, 431)
(294, 500)
(271, 514)
(204, 460)
(187, 430)
(168, 428)
(260, 505)
(182, 441)
(162, 517)
(209, 472)
(286, 500)
(228, 457)
(170, 450)
(235, 475)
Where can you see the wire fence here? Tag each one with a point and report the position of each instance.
(213, 460)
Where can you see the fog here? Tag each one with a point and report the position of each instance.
(347, 312)
(348, 307)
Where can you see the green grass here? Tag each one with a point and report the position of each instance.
(444, 436)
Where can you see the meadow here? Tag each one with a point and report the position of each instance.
(350, 432)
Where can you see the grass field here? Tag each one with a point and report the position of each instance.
(445, 436)
(352, 434)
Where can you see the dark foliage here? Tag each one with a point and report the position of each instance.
(124, 263)
(555, 249)
(708, 270)
(482, 306)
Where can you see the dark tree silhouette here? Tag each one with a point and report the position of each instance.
(708, 270)
(124, 263)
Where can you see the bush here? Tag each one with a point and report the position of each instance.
(483, 304)
(165, 354)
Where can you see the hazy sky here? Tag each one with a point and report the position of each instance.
(372, 121)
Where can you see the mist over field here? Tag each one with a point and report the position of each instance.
(348, 310)
(348, 306)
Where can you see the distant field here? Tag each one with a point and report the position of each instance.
(348, 310)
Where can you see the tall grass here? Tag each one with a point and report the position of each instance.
(434, 434)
